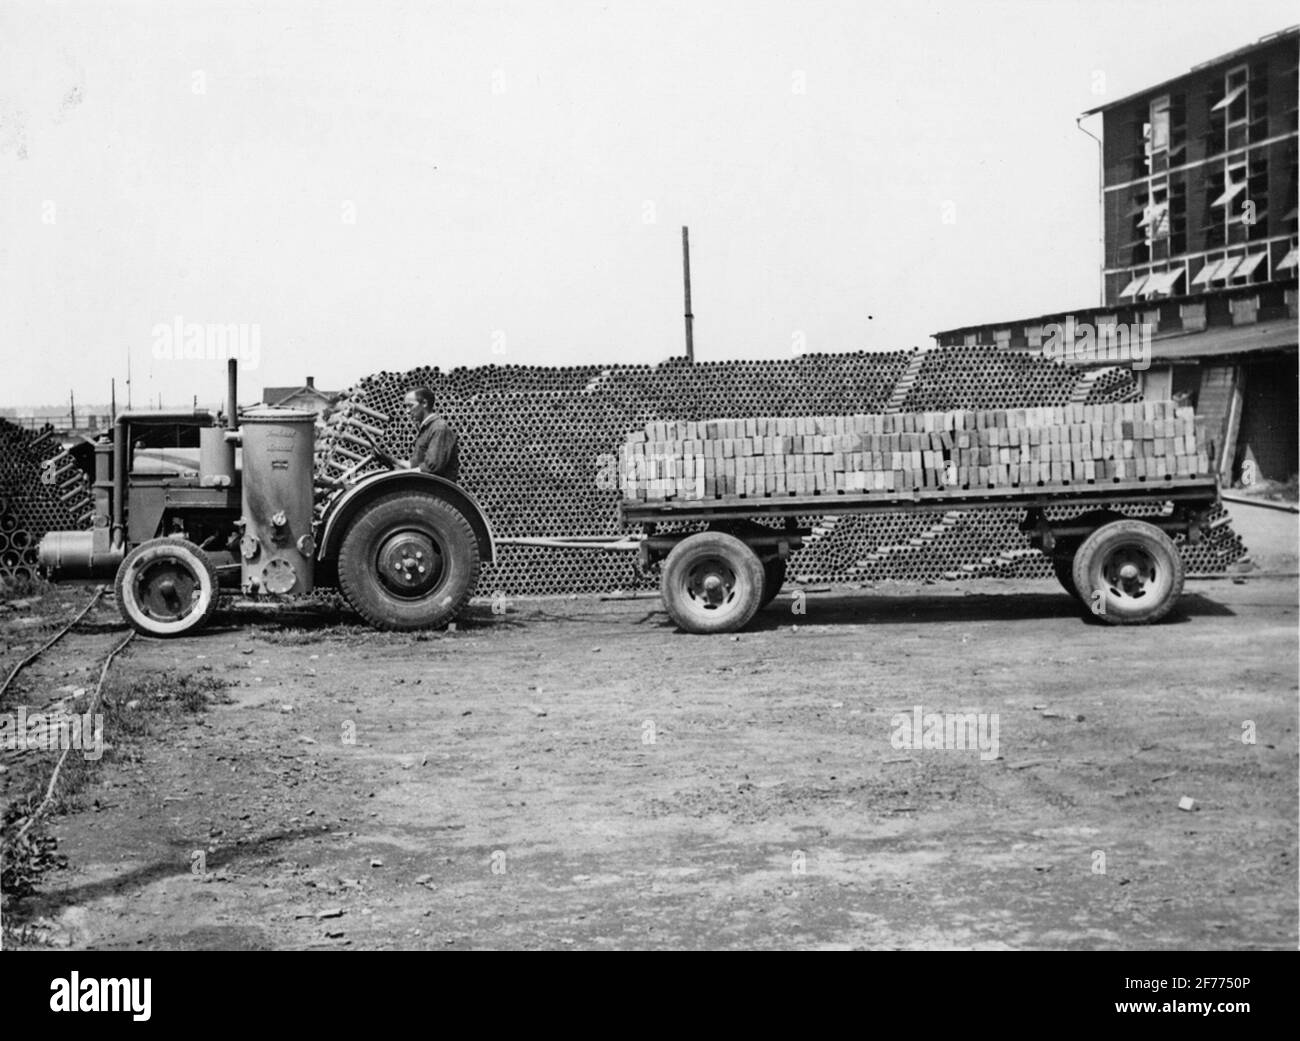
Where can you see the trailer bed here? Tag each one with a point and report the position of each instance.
(1196, 491)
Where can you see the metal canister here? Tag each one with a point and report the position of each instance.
(216, 458)
(277, 550)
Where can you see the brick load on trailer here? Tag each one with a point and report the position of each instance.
(752, 480)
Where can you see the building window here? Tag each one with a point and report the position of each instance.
(1135, 285)
(1225, 269)
(1155, 135)
(1236, 206)
(1206, 273)
(1158, 139)
(1177, 127)
(1249, 266)
(1255, 206)
(1163, 283)
(1257, 113)
(1155, 219)
(1229, 112)
(1177, 214)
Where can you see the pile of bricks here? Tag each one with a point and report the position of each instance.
(909, 452)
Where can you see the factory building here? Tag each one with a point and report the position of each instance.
(1198, 211)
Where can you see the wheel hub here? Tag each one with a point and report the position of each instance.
(167, 590)
(711, 584)
(1131, 572)
(410, 563)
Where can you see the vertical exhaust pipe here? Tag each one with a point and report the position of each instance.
(232, 391)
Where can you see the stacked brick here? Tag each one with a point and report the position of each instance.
(907, 452)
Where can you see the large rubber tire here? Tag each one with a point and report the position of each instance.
(1063, 566)
(1062, 556)
(1128, 572)
(394, 529)
(712, 583)
(773, 580)
(166, 587)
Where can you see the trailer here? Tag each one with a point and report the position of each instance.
(1124, 570)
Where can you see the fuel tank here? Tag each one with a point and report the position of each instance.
(277, 550)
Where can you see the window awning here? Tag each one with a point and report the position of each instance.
(1225, 269)
(1206, 273)
(1290, 260)
(1229, 98)
(1163, 282)
(1229, 193)
(1248, 265)
(1135, 287)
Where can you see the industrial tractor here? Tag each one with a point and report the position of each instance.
(404, 547)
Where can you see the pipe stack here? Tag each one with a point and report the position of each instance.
(41, 489)
(539, 449)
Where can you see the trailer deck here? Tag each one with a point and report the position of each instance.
(1179, 490)
(1126, 569)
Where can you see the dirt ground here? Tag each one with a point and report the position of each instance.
(576, 773)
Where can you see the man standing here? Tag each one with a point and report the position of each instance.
(436, 449)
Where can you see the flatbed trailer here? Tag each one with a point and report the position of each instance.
(1125, 570)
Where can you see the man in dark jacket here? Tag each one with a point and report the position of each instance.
(436, 449)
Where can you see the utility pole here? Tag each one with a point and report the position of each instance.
(1101, 210)
(112, 399)
(72, 411)
(128, 379)
(686, 282)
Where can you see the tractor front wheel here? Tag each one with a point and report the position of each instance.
(166, 587)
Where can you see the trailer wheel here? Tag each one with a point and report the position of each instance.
(409, 561)
(166, 587)
(1062, 556)
(1129, 572)
(1063, 566)
(773, 580)
(712, 583)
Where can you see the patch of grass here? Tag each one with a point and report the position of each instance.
(19, 588)
(135, 702)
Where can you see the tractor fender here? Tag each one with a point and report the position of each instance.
(341, 511)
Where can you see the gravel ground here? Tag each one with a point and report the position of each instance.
(576, 773)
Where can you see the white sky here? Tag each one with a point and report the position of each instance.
(519, 174)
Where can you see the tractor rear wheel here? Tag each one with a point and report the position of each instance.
(409, 561)
(166, 587)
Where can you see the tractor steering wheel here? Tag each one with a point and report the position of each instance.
(383, 456)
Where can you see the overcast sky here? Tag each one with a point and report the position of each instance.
(378, 185)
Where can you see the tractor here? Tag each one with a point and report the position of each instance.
(173, 527)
